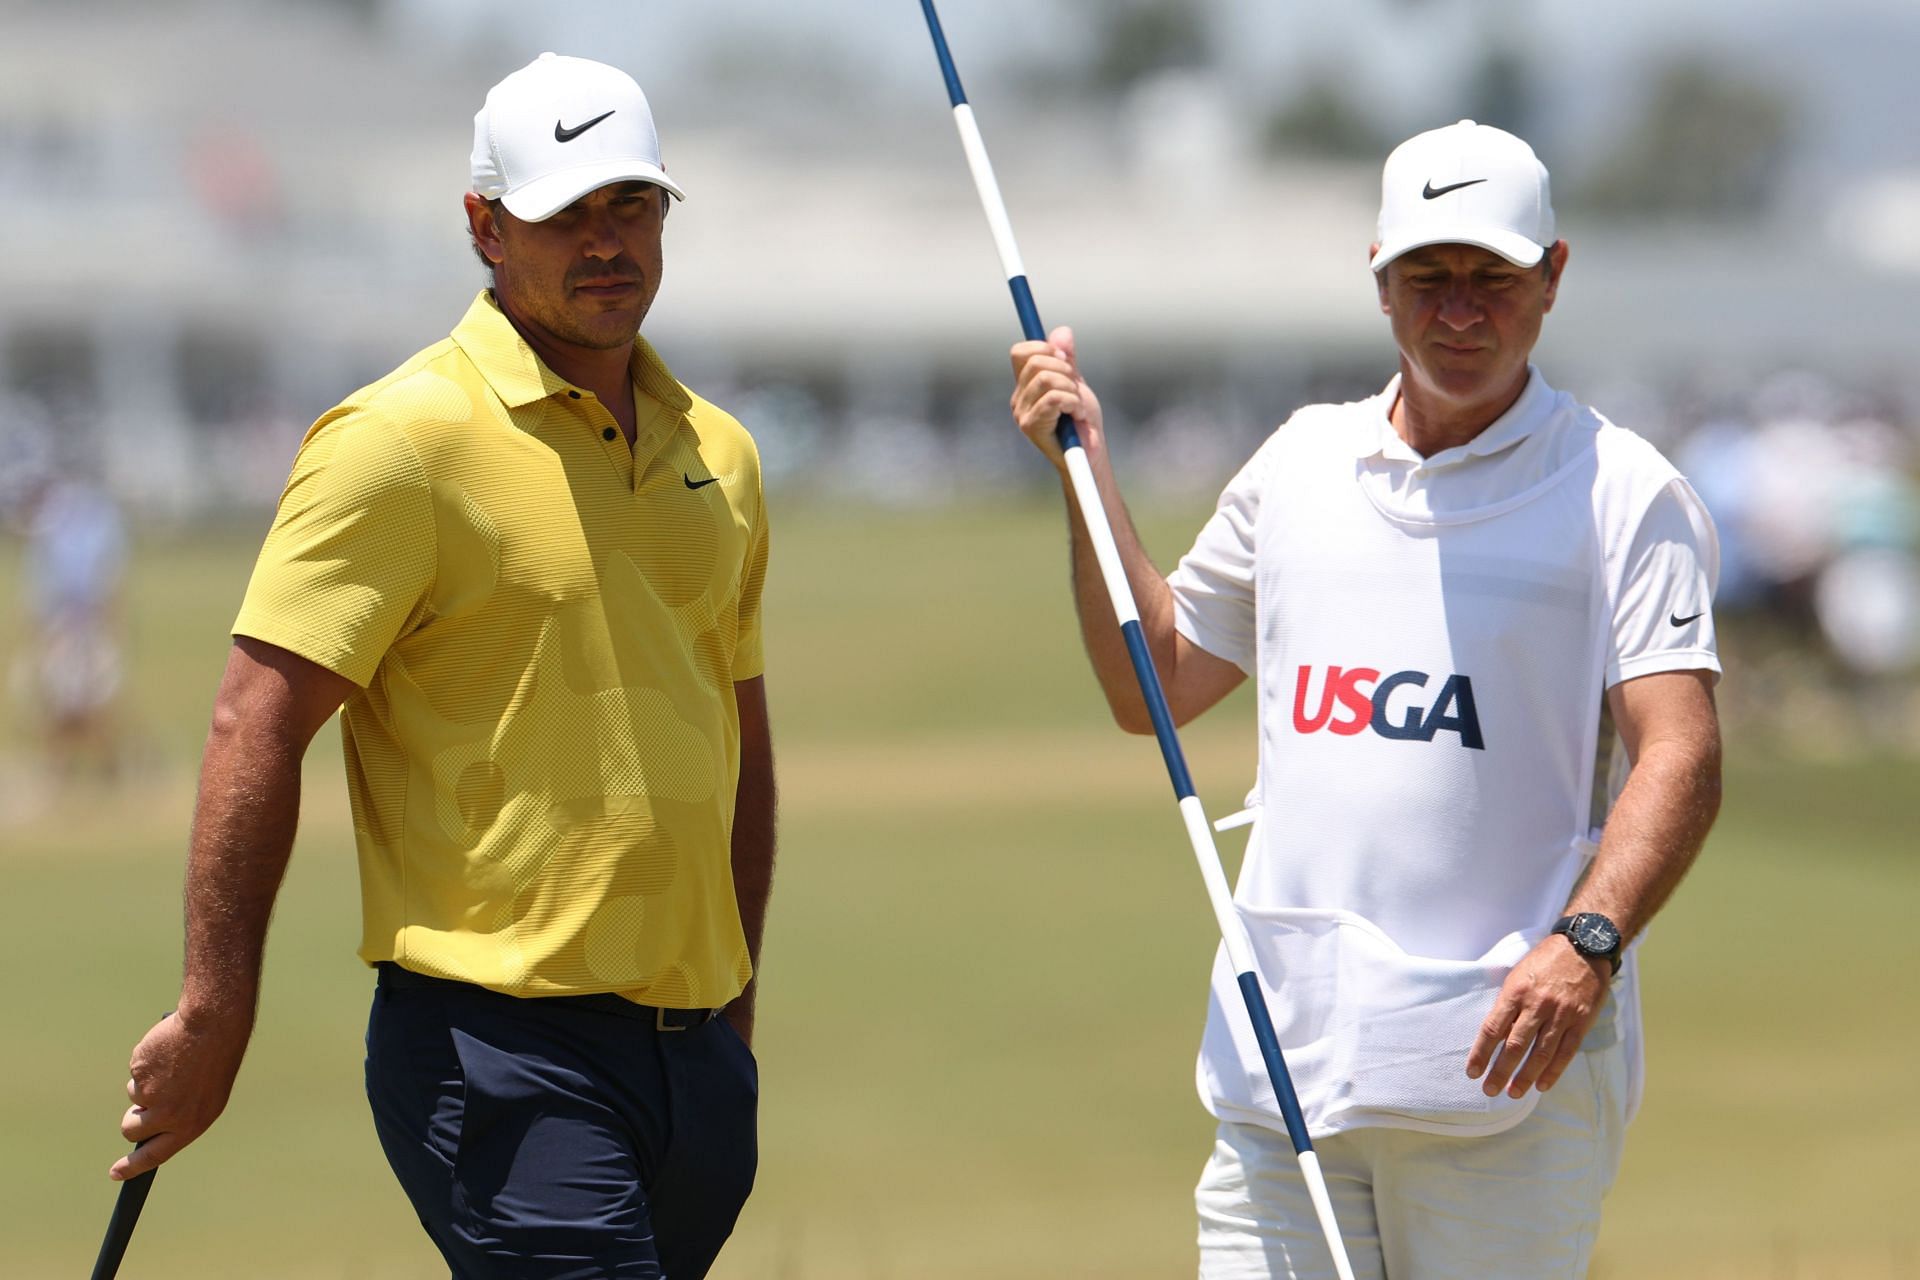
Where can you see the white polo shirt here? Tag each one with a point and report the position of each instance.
(1431, 639)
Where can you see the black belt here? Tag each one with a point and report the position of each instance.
(663, 1019)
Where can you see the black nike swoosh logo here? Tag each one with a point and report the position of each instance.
(700, 484)
(1432, 192)
(563, 134)
(1679, 621)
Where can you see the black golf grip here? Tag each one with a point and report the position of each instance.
(126, 1212)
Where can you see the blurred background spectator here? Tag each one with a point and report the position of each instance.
(66, 670)
(71, 667)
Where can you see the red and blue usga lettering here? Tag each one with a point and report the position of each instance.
(1363, 708)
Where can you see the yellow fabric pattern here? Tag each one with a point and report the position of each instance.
(546, 627)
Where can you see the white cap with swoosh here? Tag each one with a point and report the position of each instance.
(1465, 184)
(558, 128)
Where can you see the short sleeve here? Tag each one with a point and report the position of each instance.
(749, 656)
(1663, 609)
(1213, 585)
(351, 554)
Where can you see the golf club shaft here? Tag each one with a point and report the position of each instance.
(1086, 494)
(126, 1212)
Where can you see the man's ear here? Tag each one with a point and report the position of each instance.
(1556, 268)
(1379, 277)
(484, 225)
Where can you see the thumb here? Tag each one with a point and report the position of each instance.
(1062, 338)
(147, 1154)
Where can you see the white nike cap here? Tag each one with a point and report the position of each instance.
(1465, 184)
(558, 128)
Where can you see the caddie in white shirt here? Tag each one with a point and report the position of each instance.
(1445, 593)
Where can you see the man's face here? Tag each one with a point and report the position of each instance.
(586, 275)
(1466, 319)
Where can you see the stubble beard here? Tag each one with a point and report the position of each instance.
(598, 331)
(575, 324)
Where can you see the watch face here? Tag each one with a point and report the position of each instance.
(1594, 934)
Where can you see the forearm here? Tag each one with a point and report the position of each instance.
(755, 801)
(1549, 1001)
(1099, 627)
(753, 846)
(270, 704)
(1654, 833)
(1047, 385)
(243, 829)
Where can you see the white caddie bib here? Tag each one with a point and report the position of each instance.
(1431, 641)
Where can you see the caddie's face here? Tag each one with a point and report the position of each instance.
(588, 274)
(1466, 319)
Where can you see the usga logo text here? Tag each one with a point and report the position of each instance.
(1392, 708)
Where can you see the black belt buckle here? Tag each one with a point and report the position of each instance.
(665, 1019)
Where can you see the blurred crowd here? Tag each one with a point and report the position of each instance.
(1816, 491)
(1814, 485)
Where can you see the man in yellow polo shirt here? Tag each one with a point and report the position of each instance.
(528, 564)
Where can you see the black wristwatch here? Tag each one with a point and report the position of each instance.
(1592, 934)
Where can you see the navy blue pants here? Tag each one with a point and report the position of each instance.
(561, 1138)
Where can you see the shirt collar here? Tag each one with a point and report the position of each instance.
(1525, 416)
(520, 378)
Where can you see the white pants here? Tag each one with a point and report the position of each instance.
(1518, 1205)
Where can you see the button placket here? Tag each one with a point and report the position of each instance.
(608, 431)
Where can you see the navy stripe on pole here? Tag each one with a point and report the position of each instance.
(955, 94)
(1029, 313)
(1276, 1065)
(1157, 710)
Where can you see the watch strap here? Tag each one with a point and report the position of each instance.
(1564, 927)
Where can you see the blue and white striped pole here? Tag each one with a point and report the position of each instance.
(1087, 494)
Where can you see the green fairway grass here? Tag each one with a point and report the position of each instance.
(985, 971)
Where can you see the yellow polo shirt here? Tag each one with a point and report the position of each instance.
(546, 626)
